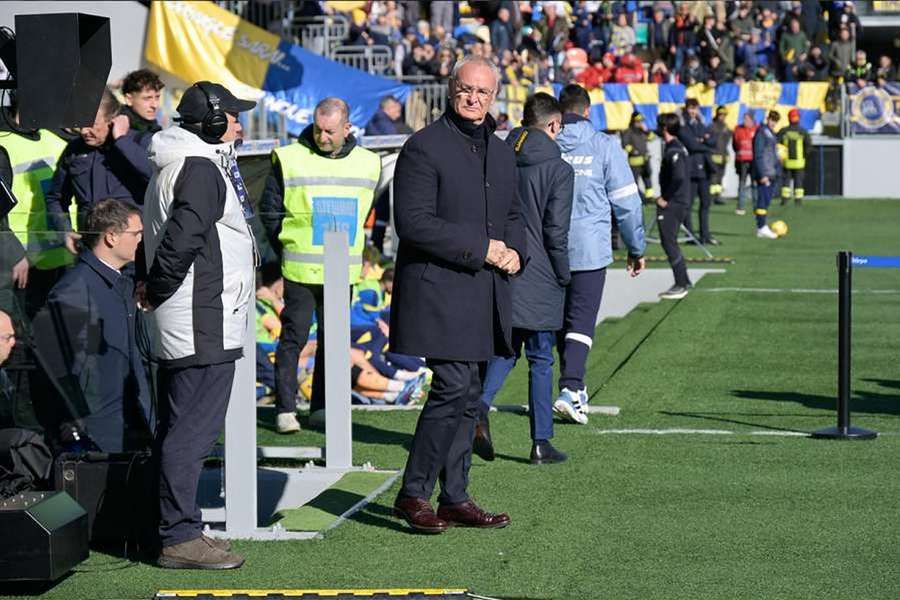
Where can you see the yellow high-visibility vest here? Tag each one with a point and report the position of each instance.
(33, 163)
(324, 194)
(796, 152)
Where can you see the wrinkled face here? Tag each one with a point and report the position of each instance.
(330, 131)
(7, 337)
(472, 91)
(97, 134)
(145, 102)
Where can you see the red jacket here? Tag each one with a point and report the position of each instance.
(593, 76)
(630, 70)
(742, 142)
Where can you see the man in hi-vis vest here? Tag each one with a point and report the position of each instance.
(324, 182)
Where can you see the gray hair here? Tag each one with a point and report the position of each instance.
(331, 104)
(478, 60)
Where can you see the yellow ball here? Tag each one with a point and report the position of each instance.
(782, 152)
(780, 228)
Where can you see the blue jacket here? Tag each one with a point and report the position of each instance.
(86, 339)
(765, 155)
(603, 185)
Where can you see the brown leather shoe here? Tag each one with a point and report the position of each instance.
(482, 445)
(197, 553)
(221, 544)
(469, 514)
(419, 514)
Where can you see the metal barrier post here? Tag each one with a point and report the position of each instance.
(338, 440)
(844, 431)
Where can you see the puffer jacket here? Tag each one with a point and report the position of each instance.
(604, 186)
(201, 251)
(765, 156)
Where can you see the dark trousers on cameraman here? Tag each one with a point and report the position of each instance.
(193, 402)
(301, 301)
(669, 221)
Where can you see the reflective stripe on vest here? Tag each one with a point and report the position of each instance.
(33, 163)
(324, 194)
(796, 156)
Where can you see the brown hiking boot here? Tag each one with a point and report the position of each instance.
(198, 553)
(219, 543)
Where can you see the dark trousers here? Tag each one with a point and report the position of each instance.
(442, 445)
(795, 177)
(382, 210)
(669, 220)
(745, 183)
(539, 353)
(193, 401)
(699, 187)
(300, 302)
(764, 195)
(574, 342)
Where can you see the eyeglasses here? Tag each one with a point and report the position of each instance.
(482, 94)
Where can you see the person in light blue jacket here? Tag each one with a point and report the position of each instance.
(604, 185)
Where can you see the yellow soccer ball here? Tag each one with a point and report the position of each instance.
(782, 152)
(780, 228)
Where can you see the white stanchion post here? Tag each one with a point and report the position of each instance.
(338, 436)
(240, 443)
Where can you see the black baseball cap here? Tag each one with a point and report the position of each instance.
(194, 105)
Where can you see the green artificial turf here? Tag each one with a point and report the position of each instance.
(728, 515)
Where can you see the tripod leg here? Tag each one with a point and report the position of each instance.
(692, 238)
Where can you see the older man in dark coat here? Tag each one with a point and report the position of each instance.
(461, 239)
(546, 184)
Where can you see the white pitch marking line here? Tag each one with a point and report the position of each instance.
(682, 431)
(792, 290)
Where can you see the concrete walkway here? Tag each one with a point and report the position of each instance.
(623, 293)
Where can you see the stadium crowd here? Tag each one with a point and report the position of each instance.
(128, 264)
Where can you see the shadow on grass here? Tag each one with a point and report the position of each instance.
(890, 383)
(379, 515)
(860, 402)
(515, 459)
(727, 417)
(368, 434)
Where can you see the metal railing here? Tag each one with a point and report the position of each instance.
(377, 60)
(320, 35)
(425, 103)
(267, 15)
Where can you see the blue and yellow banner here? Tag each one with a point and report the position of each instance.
(875, 109)
(613, 103)
(198, 41)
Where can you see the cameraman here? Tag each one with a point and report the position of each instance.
(673, 204)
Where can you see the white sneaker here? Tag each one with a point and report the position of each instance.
(740, 212)
(287, 423)
(569, 405)
(765, 232)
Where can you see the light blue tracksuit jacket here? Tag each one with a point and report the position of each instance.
(603, 183)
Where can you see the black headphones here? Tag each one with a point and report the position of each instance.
(215, 123)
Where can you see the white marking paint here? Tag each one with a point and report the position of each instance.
(685, 431)
(791, 290)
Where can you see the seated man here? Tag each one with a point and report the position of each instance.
(86, 337)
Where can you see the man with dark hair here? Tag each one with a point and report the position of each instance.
(674, 200)
(696, 138)
(141, 89)
(86, 336)
(604, 187)
(546, 183)
(323, 179)
(764, 170)
(200, 284)
(106, 161)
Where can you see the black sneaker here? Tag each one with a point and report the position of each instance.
(543, 453)
(676, 292)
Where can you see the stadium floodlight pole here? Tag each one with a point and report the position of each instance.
(844, 431)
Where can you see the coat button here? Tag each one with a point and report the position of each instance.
(487, 184)
(474, 149)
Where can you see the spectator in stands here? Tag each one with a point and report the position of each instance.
(706, 38)
(697, 139)
(86, 335)
(630, 69)
(623, 37)
(200, 287)
(658, 35)
(860, 72)
(740, 75)
(461, 236)
(603, 189)
(659, 72)
(764, 171)
(388, 119)
(693, 72)
(420, 62)
(814, 67)
(503, 37)
(885, 71)
(109, 160)
(141, 90)
(742, 144)
(546, 183)
(554, 27)
(445, 61)
(845, 16)
(598, 73)
(716, 72)
(841, 52)
(682, 39)
(792, 46)
(764, 74)
(442, 14)
(741, 20)
(673, 202)
(724, 45)
(762, 46)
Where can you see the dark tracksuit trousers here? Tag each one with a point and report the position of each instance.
(446, 428)
(669, 220)
(574, 341)
(699, 187)
(193, 402)
(300, 302)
